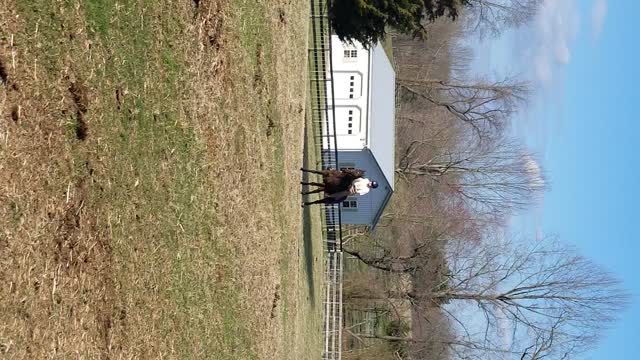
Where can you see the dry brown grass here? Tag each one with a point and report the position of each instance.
(148, 154)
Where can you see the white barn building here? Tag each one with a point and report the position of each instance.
(364, 93)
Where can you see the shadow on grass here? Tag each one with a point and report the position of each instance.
(307, 228)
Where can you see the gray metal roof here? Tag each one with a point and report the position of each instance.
(382, 116)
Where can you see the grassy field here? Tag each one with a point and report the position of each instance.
(148, 157)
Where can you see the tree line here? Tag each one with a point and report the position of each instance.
(368, 21)
(443, 248)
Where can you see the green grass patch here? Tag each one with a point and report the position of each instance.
(145, 240)
(146, 184)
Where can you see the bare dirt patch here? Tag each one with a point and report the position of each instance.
(4, 76)
(15, 113)
(81, 102)
(211, 15)
(276, 300)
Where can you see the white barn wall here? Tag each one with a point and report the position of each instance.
(351, 79)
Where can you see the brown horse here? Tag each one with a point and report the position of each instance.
(333, 182)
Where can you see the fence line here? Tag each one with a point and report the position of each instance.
(323, 120)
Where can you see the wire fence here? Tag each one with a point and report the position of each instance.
(323, 120)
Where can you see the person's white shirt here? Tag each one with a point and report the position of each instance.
(361, 185)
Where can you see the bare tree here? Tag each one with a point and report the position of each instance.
(492, 17)
(530, 301)
(386, 261)
(385, 255)
(423, 236)
(486, 105)
(494, 178)
(442, 51)
(436, 70)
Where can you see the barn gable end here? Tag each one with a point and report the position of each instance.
(364, 108)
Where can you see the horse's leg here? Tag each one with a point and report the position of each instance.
(312, 191)
(312, 183)
(311, 171)
(321, 201)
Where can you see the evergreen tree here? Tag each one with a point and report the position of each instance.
(366, 21)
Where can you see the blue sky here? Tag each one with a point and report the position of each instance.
(582, 59)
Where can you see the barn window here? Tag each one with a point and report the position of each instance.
(353, 77)
(347, 166)
(350, 96)
(349, 132)
(350, 55)
(350, 204)
(350, 112)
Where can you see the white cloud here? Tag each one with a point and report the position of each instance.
(534, 171)
(598, 17)
(553, 33)
(539, 52)
(540, 49)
